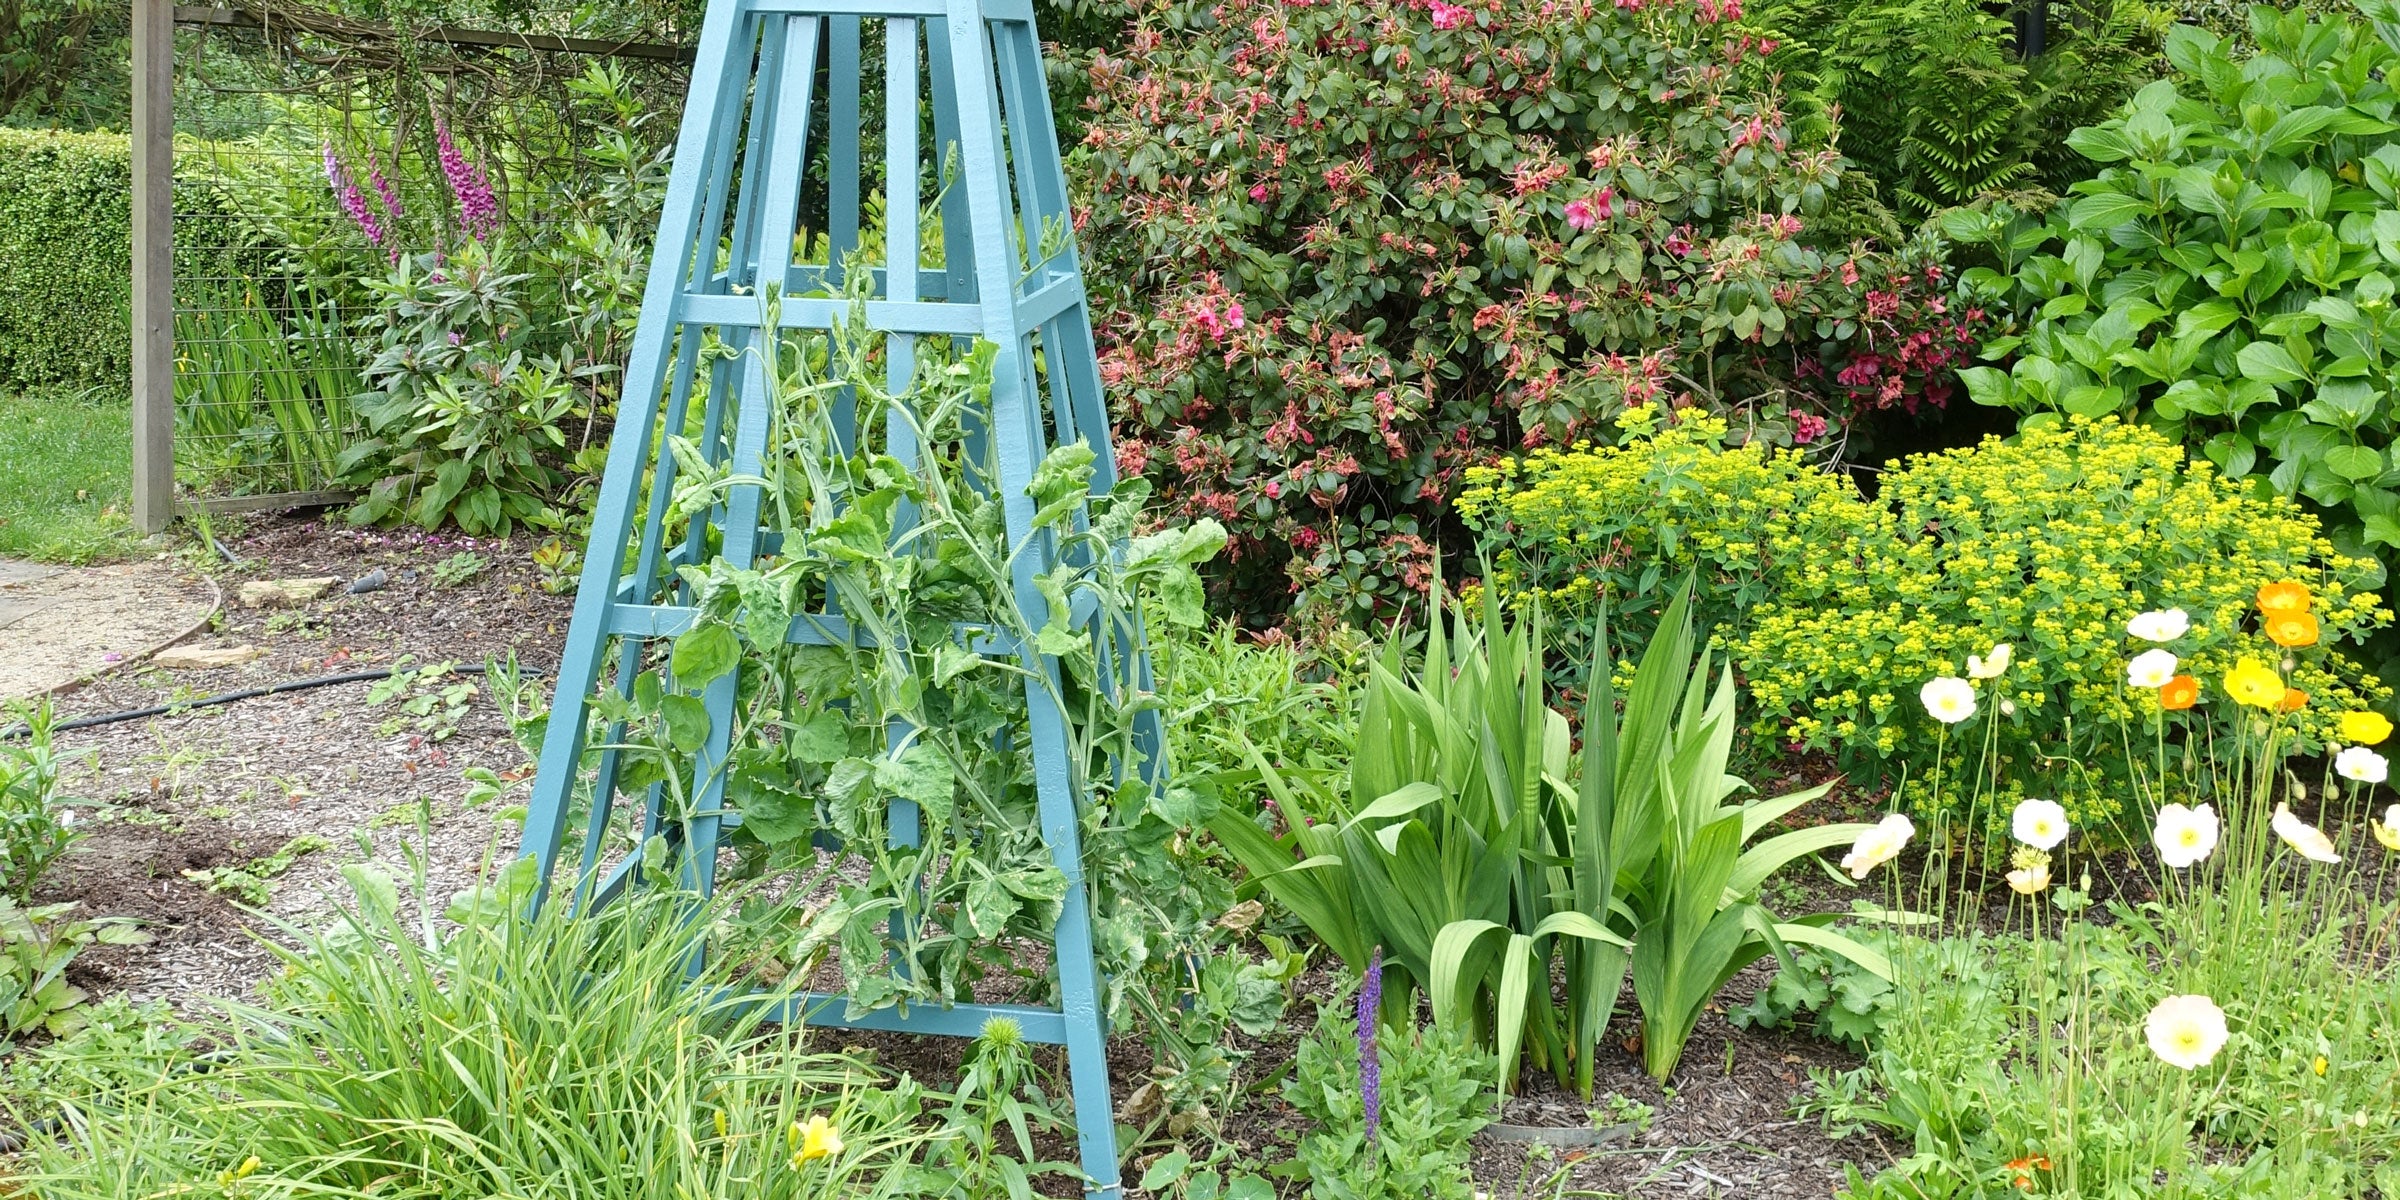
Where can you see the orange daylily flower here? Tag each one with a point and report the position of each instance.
(2285, 597)
(2181, 692)
(2292, 628)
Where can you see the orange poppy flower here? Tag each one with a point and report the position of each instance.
(2181, 692)
(2285, 597)
(2292, 628)
(2023, 1169)
(2293, 700)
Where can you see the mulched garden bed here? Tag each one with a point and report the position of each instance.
(222, 787)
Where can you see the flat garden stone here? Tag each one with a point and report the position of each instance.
(277, 593)
(206, 658)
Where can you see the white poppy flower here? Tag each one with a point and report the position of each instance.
(2306, 840)
(2025, 881)
(2150, 669)
(2159, 625)
(2361, 764)
(1878, 845)
(1949, 698)
(2041, 824)
(1990, 666)
(2184, 836)
(2186, 1031)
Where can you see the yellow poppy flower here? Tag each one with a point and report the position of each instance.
(2365, 728)
(2254, 683)
(817, 1139)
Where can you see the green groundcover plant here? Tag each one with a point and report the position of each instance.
(2227, 273)
(1354, 248)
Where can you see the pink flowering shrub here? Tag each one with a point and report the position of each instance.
(1342, 250)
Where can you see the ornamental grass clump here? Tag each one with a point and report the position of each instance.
(2122, 578)
(474, 1053)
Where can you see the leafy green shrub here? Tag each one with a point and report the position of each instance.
(1627, 523)
(468, 419)
(66, 248)
(32, 832)
(1354, 248)
(2049, 543)
(65, 244)
(2228, 273)
(1936, 105)
(1433, 1094)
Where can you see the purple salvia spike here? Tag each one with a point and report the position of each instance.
(1370, 1065)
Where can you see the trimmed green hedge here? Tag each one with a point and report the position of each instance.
(65, 252)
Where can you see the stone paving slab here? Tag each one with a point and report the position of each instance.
(59, 625)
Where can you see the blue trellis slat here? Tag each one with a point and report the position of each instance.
(1009, 273)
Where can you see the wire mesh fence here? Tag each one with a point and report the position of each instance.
(317, 157)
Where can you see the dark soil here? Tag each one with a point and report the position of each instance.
(221, 787)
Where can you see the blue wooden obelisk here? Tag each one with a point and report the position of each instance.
(732, 225)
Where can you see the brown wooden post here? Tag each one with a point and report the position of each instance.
(153, 264)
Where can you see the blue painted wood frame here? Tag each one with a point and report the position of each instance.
(728, 228)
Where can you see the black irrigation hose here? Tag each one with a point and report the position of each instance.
(289, 685)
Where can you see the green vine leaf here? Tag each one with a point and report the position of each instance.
(704, 654)
(686, 720)
(922, 774)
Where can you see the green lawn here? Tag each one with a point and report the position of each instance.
(65, 468)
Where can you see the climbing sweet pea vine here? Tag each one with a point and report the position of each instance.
(890, 547)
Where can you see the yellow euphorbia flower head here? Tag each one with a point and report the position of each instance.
(2254, 683)
(2365, 728)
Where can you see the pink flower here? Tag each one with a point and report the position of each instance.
(1274, 490)
(1604, 203)
(1581, 215)
(1258, 192)
(1678, 244)
(1233, 315)
(1806, 428)
(1448, 16)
